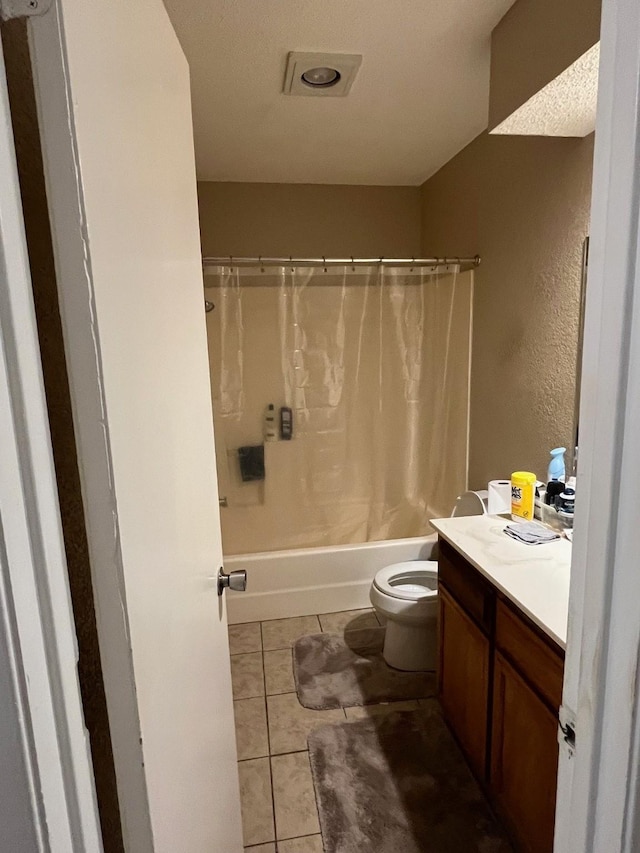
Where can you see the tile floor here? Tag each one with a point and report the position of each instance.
(279, 813)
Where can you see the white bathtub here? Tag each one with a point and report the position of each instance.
(305, 581)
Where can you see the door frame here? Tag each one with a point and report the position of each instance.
(599, 779)
(44, 727)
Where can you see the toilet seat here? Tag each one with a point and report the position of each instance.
(415, 580)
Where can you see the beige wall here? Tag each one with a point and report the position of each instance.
(534, 42)
(523, 204)
(309, 220)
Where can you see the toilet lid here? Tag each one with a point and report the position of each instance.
(412, 580)
(470, 503)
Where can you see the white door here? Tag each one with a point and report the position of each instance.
(114, 103)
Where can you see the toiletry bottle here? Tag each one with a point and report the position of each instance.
(566, 503)
(556, 465)
(269, 432)
(540, 492)
(554, 488)
(523, 485)
(286, 423)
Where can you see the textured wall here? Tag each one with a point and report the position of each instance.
(534, 42)
(523, 204)
(34, 202)
(309, 220)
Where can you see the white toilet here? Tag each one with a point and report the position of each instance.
(407, 595)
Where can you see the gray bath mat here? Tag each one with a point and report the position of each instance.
(398, 784)
(333, 671)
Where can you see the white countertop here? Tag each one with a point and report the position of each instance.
(534, 577)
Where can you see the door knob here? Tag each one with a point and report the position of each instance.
(234, 580)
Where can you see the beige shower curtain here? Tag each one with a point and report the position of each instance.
(374, 363)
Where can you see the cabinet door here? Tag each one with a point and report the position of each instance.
(524, 759)
(464, 680)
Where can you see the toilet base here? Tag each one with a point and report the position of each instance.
(410, 648)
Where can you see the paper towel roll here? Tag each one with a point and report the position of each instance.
(499, 497)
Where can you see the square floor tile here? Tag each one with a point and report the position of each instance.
(290, 723)
(251, 728)
(245, 638)
(361, 712)
(348, 620)
(308, 844)
(278, 671)
(282, 633)
(293, 795)
(256, 801)
(263, 848)
(247, 675)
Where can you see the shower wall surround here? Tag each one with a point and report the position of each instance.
(375, 365)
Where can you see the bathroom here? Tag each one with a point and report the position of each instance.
(396, 276)
(406, 384)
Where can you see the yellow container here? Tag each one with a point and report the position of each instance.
(523, 488)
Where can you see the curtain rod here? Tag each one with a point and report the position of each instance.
(230, 260)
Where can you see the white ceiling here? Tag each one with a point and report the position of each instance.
(420, 95)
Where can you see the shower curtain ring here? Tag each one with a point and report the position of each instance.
(260, 262)
(324, 263)
(230, 263)
(413, 260)
(291, 263)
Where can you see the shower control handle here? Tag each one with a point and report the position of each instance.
(234, 580)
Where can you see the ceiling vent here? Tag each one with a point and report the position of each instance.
(321, 74)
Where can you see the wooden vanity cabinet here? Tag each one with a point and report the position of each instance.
(524, 759)
(464, 680)
(500, 685)
(467, 608)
